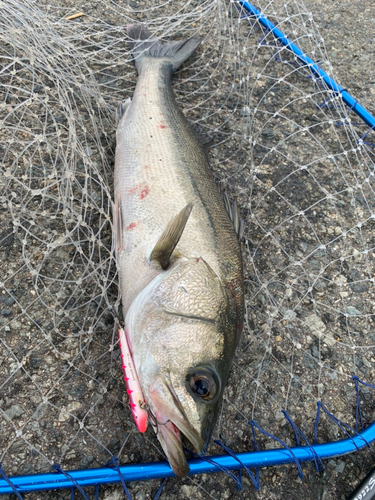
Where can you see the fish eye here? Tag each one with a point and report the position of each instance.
(204, 383)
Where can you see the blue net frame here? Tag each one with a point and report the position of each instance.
(231, 461)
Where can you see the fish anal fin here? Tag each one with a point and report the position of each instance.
(122, 109)
(171, 235)
(233, 212)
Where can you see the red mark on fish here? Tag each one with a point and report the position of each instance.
(133, 387)
(142, 189)
(134, 189)
(144, 192)
(131, 226)
(162, 126)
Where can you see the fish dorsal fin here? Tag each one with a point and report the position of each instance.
(171, 235)
(233, 212)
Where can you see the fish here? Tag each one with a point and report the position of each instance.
(178, 257)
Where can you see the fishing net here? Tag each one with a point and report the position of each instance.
(302, 171)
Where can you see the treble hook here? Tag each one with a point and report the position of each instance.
(154, 422)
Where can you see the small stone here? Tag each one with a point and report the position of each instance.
(338, 230)
(357, 255)
(140, 495)
(64, 415)
(42, 465)
(35, 361)
(115, 495)
(246, 482)
(268, 133)
(16, 325)
(78, 390)
(17, 447)
(318, 328)
(86, 461)
(289, 315)
(340, 466)
(14, 412)
(352, 311)
(5, 312)
(27, 469)
(357, 284)
(74, 405)
(188, 490)
(225, 439)
(315, 324)
(314, 263)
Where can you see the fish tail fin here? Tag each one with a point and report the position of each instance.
(144, 46)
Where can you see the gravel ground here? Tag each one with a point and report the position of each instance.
(306, 195)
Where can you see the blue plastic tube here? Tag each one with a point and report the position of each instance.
(304, 59)
(155, 470)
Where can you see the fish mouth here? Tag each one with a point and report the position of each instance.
(170, 421)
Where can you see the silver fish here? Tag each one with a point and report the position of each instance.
(178, 255)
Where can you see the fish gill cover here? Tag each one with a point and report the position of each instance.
(283, 145)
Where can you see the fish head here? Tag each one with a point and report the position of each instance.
(183, 342)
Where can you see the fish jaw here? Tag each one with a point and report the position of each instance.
(170, 421)
(170, 440)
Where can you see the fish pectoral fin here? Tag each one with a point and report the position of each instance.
(117, 224)
(171, 235)
(122, 109)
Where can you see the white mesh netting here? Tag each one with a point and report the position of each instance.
(305, 187)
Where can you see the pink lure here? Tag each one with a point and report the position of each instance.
(133, 387)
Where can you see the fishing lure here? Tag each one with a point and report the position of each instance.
(133, 387)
